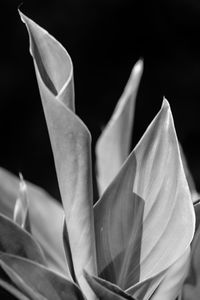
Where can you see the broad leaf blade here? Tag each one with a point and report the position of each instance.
(171, 285)
(14, 240)
(113, 145)
(71, 143)
(191, 286)
(105, 290)
(118, 229)
(161, 182)
(158, 178)
(37, 281)
(46, 217)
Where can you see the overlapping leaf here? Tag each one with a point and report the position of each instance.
(190, 180)
(70, 142)
(113, 145)
(8, 289)
(158, 181)
(191, 287)
(105, 290)
(161, 182)
(46, 217)
(36, 281)
(15, 240)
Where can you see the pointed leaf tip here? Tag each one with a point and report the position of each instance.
(160, 180)
(71, 144)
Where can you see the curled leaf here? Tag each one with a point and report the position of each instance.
(71, 143)
(114, 143)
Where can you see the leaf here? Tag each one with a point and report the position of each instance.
(8, 289)
(21, 213)
(46, 217)
(144, 289)
(161, 182)
(118, 229)
(105, 290)
(191, 286)
(14, 240)
(158, 178)
(38, 282)
(68, 252)
(71, 143)
(188, 175)
(114, 143)
(171, 285)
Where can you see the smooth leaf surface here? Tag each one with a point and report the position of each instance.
(118, 229)
(14, 240)
(190, 180)
(161, 182)
(105, 290)
(68, 252)
(71, 143)
(113, 145)
(158, 178)
(37, 281)
(143, 290)
(191, 287)
(171, 285)
(46, 217)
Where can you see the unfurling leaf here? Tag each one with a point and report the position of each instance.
(14, 240)
(21, 213)
(38, 282)
(113, 145)
(71, 142)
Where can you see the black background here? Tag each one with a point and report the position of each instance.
(104, 38)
